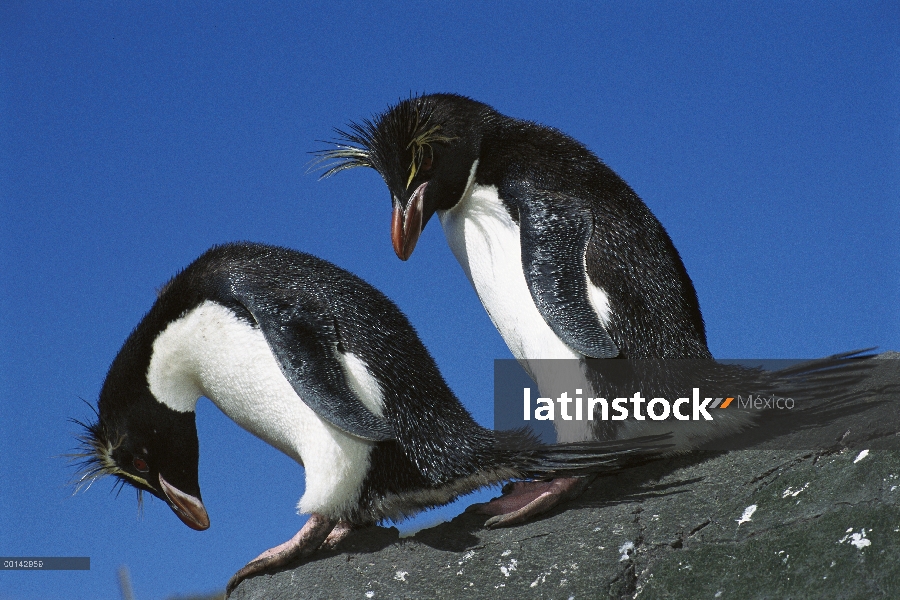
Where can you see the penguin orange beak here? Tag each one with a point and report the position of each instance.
(188, 508)
(406, 225)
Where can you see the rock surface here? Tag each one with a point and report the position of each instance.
(770, 523)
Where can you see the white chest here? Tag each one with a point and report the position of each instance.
(210, 352)
(487, 244)
(485, 241)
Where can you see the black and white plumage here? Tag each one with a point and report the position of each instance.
(322, 366)
(567, 260)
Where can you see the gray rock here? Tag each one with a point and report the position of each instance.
(775, 523)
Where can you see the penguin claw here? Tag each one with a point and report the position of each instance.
(311, 536)
(524, 500)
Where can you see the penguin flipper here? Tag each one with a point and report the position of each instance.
(303, 338)
(554, 233)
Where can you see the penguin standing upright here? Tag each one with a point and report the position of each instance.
(565, 257)
(325, 368)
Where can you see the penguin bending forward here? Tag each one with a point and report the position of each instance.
(322, 366)
(567, 260)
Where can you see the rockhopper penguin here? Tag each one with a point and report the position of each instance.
(322, 366)
(570, 264)
(565, 257)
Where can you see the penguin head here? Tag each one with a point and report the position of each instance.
(424, 149)
(144, 444)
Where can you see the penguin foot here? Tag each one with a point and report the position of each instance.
(523, 500)
(340, 531)
(317, 530)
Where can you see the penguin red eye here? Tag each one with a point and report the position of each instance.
(141, 465)
(426, 163)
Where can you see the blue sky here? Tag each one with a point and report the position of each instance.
(765, 138)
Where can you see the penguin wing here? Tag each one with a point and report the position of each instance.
(303, 336)
(554, 232)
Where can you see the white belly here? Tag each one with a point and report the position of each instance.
(485, 241)
(210, 352)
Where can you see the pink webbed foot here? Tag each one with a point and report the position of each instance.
(523, 500)
(311, 536)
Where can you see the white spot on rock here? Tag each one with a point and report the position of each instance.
(792, 492)
(507, 569)
(542, 578)
(401, 575)
(857, 539)
(748, 512)
(860, 456)
(626, 550)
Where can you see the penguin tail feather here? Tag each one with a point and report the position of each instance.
(535, 460)
(824, 392)
(828, 380)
